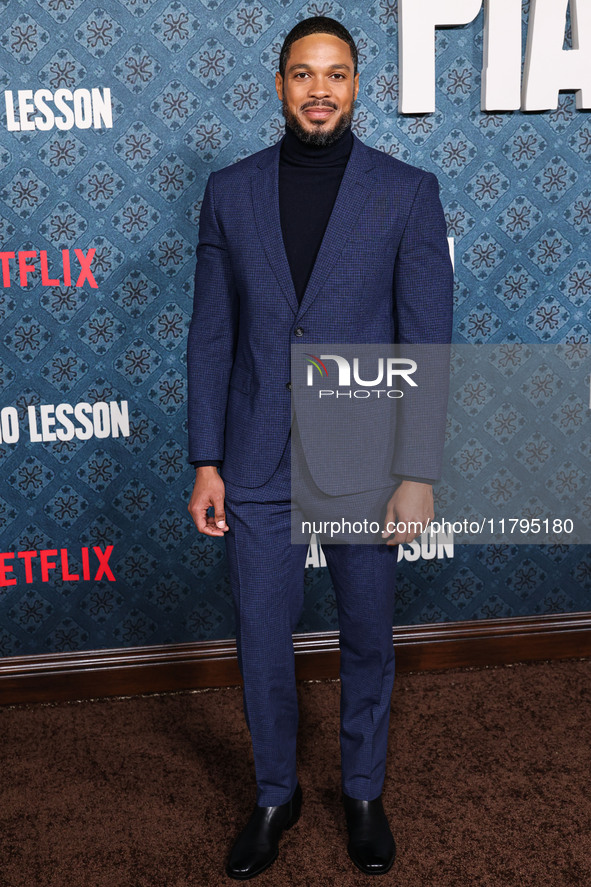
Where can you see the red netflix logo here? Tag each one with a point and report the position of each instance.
(25, 267)
(47, 563)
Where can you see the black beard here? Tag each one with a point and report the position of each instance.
(319, 136)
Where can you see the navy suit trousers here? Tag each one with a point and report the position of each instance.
(267, 579)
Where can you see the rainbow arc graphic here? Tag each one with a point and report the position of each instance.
(314, 361)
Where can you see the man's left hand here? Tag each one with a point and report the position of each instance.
(411, 506)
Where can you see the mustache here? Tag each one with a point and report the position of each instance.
(324, 104)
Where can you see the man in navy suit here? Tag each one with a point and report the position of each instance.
(318, 238)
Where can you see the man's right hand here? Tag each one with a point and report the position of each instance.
(208, 490)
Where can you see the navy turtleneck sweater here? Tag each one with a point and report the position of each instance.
(309, 180)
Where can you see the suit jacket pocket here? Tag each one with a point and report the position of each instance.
(240, 379)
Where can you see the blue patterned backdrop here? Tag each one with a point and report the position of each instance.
(192, 90)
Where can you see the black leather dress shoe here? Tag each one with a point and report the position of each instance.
(257, 846)
(371, 844)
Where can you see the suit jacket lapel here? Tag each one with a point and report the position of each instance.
(265, 198)
(356, 185)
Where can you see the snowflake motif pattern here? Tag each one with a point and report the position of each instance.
(170, 530)
(383, 89)
(524, 147)
(135, 293)
(99, 33)
(62, 153)
(64, 226)
(555, 179)
(136, 218)
(66, 507)
(389, 144)
(27, 338)
(518, 219)
(579, 212)
(25, 193)
(463, 587)
(569, 415)
(211, 63)
(208, 137)
(516, 287)
(137, 69)
(170, 253)
(535, 452)
(169, 392)
(364, 121)
(457, 81)
(480, 324)
(136, 629)
(62, 71)
(547, 318)
(566, 482)
(550, 251)
(62, 303)
(483, 256)
(65, 369)
(171, 178)
(24, 38)
(504, 423)
(168, 593)
(170, 327)
(367, 50)
(60, 10)
(138, 362)
(175, 104)
(101, 330)
(487, 186)
(134, 500)
(67, 636)
(420, 129)
(471, 459)
(169, 462)
(474, 394)
(248, 21)
(100, 186)
(385, 13)
(501, 488)
(245, 97)
(31, 611)
(175, 26)
(454, 153)
(271, 131)
(562, 116)
(576, 286)
(99, 471)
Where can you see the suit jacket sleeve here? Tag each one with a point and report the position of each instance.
(212, 336)
(423, 308)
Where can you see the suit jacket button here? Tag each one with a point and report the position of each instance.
(288, 386)
(298, 331)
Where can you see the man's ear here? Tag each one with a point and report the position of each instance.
(279, 86)
(355, 85)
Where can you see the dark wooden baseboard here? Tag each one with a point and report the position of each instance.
(121, 672)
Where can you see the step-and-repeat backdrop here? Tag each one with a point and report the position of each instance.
(112, 115)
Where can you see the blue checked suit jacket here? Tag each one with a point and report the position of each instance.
(383, 274)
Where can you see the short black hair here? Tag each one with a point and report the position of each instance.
(317, 24)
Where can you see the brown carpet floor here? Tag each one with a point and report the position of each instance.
(488, 784)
